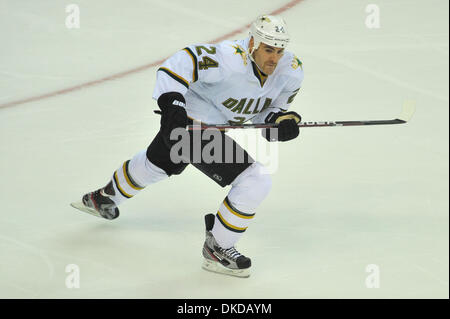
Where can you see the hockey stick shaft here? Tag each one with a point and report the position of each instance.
(301, 124)
(407, 112)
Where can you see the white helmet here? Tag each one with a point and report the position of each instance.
(270, 30)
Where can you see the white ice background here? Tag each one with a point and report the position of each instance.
(342, 198)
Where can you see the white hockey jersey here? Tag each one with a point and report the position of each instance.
(222, 85)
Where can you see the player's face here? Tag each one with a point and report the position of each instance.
(267, 57)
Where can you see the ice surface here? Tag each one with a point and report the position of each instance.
(342, 198)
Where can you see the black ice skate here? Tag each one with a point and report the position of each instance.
(225, 261)
(99, 203)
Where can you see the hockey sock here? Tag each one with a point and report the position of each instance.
(133, 176)
(238, 209)
(230, 224)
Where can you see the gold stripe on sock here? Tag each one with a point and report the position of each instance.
(231, 227)
(127, 178)
(237, 213)
(120, 188)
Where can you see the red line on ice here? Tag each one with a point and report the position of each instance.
(119, 75)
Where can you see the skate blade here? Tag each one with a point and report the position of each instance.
(217, 267)
(83, 208)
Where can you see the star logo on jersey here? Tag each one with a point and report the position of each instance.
(241, 52)
(296, 63)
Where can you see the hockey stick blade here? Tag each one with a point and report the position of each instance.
(408, 110)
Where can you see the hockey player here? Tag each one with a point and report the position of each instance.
(231, 82)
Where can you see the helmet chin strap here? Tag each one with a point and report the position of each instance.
(250, 55)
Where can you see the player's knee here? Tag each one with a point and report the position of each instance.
(264, 181)
(143, 171)
(159, 155)
(256, 181)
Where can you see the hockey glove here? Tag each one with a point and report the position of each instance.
(173, 114)
(287, 126)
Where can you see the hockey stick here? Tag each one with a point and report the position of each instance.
(406, 114)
